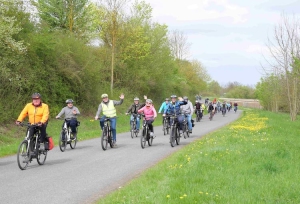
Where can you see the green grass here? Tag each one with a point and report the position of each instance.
(11, 135)
(253, 160)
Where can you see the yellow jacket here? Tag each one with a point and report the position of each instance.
(35, 113)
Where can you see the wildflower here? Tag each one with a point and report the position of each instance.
(168, 196)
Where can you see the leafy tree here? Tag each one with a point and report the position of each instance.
(75, 16)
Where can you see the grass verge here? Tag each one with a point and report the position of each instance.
(253, 160)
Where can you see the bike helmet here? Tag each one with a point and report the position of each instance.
(36, 96)
(173, 96)
(69, 101)
(149, 101)
(167, 99)
(185, 98)
(136, 99)
(196, 101)
(104, 96)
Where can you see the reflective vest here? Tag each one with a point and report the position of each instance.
(109, 110)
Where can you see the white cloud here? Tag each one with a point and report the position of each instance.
(195, 10)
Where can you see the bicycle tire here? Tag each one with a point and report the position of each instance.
(143, 138)
(132, 128)
(104, 139)
(165, 127)
(110, 139)
(23, 155)
(172, 136)
(41, 156)
(62, 142)
(73, 143)
(150, 140)
(177, 138)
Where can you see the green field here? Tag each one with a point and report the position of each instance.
(253, 160)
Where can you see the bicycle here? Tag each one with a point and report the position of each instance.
(66, 137)
(223, 112)
(185, 127)
(146, 134)
(133, 129)
(107, 135)
(30, 148)
(212, 113)
(199, 114)
(174, 136)
(235, 109)
(166, 124)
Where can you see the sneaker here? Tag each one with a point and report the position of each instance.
(137, 131)
(151, 134)
(73, 137)
(190, 131)
(115, 144)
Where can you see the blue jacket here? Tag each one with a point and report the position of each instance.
(163, 107)
(174, 108)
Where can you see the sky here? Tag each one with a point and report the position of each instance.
(229, 37)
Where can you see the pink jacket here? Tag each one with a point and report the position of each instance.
(149, 112)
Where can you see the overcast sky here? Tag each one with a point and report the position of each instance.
(229, 37)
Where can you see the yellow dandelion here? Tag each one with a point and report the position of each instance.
(168, 196)
(181, 197)
(185, 195)
(200, 192)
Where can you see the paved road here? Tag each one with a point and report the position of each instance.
(87, 173)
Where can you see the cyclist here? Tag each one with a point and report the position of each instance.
(164, 106)
(38, 113)
(108, 110)
(71, 112)
(235, 104)
(199, 107)
(150, 115)
(211, 108)
(188, 110)
(133, 110)
(174, 108)
(224, 107)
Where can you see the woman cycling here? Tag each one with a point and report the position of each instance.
(150, 114)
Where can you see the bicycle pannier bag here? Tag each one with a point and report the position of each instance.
(51, 143)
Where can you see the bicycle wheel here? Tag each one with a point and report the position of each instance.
(41, 157)
(110, 138)
(172, 136)
(165, 127)
(143, 138)
(73, 143)
(198, 117)
(62, 141)
(177, 138)
(132, 126)
(104, 139)
(23, 155)
(149, 139)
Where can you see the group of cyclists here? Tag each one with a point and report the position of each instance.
(182, 108)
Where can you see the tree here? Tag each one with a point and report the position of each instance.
(75, 16)
(179, 45)
(285, 51)
(111, 15)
